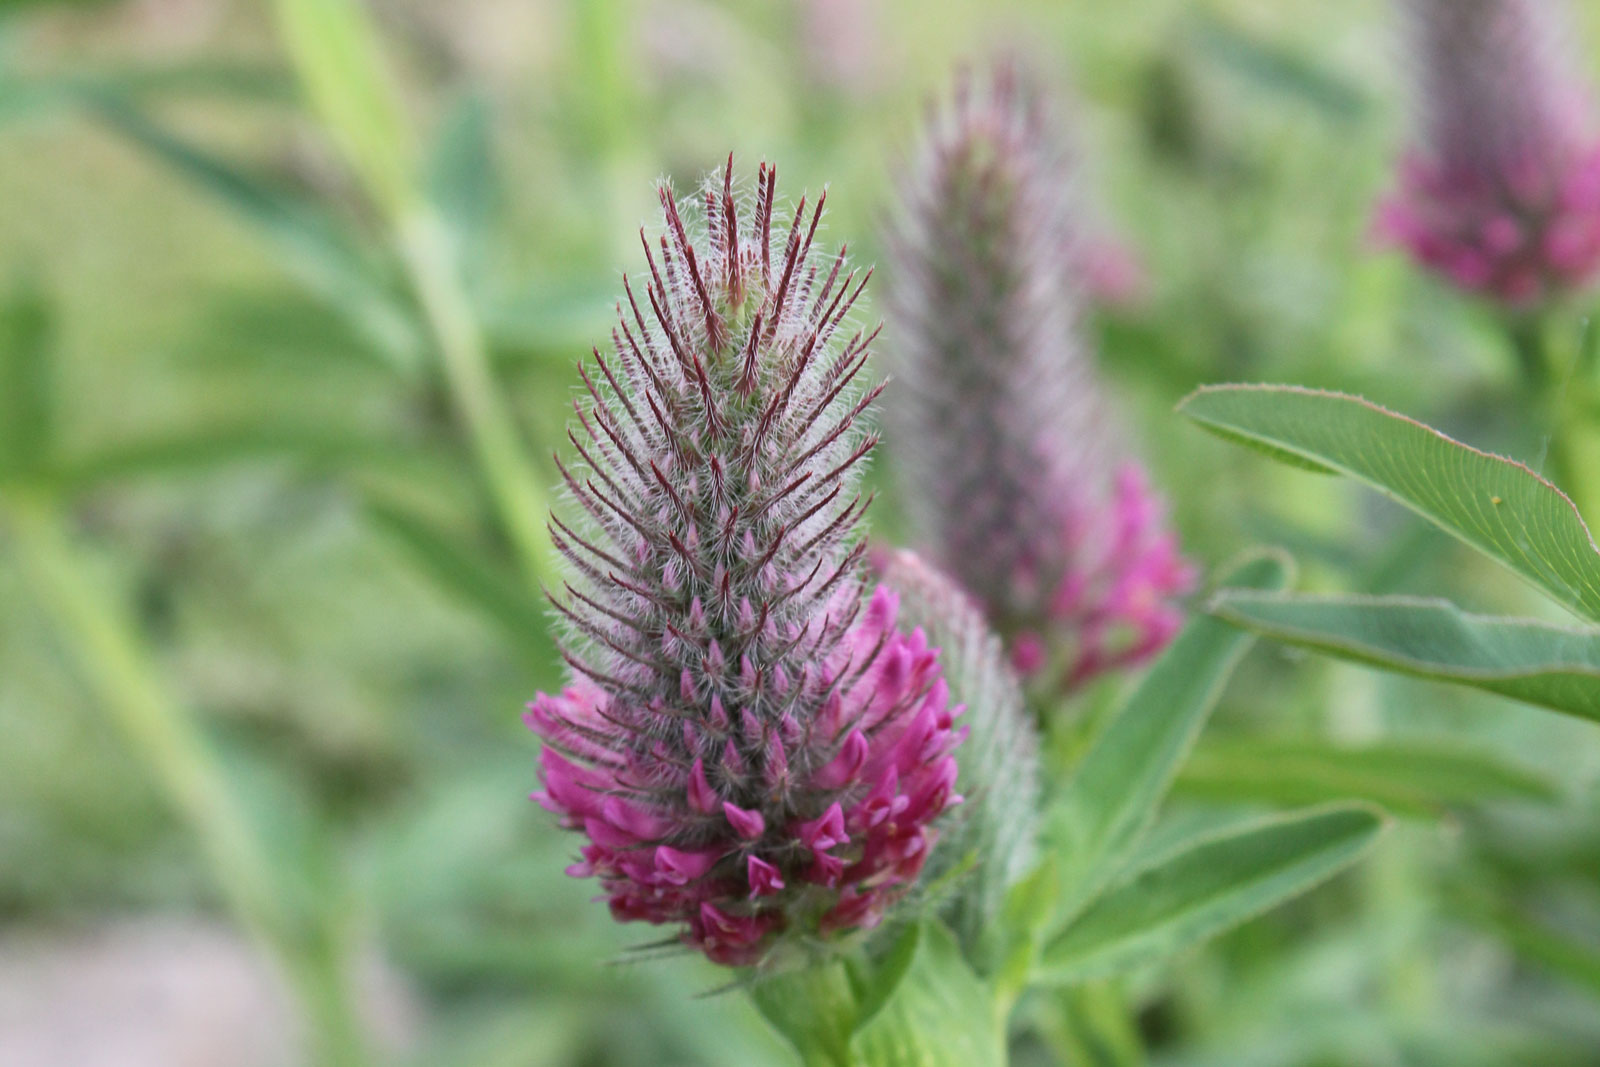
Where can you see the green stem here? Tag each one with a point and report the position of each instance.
(1559, 397)
(429, 256)
(165, 736)
(606, 106)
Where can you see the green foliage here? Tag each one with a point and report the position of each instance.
(1496, 505)
(27, 384)
(1206, 888)
(1421, 778)
(920, 1006)
(260, 508)
(341, 66)
(938, 1014)
(311, 245)
(1552, 666)
(466, 571)
(1112, 799)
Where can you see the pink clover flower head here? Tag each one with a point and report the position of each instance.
(1500, 192)
(752, 747)
(1014, 469)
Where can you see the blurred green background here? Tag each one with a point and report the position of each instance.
(232, 420)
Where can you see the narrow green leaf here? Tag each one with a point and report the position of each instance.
(1278, 70)
(1206, 889)
(27, 373)
(205, 448)
(1420, 777)
(1552, 666)
(474, 578)
(336, 52)
(312, 248)
(1573, 958)
(1496, 505)
(1113, 798)
(939, 1015)
(461, 180)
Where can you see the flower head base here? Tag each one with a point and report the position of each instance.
(1013, 473)
(753, 748)
(1502, 195)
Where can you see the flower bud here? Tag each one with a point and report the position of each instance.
(1013, 468)
(1500, 191)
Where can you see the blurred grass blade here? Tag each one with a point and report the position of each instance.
(210, 447)
(1552, 666)
(492, 590)
(1206, 889)
(1574, 958)
(26, 97)
(309, 244)
(1113, 798)
(1421, 778)
(1496, 505)
(27, 382)
(1277, 69)
(336, 53)
(938, 1015)
(165, 735)
(462, 183)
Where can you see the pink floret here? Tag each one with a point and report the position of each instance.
(829, 852)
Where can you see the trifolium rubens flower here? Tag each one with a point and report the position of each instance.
(1016, 476)
(1500, 192)
(754, 749)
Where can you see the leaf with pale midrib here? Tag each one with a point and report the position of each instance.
(1496, 505)
(1206, 889)
(1552, 666)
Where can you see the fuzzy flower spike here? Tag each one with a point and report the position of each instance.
(1013, 470)
(753, 749)
(1501, 193)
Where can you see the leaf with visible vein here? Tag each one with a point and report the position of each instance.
(1412, 777)
(1496, 505)
(1206, 889)
(1540, 663)
(1113, 798)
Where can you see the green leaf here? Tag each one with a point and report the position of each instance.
(1206, 889)
(1418, 777)
(814, 1008)
(939, 1014)
(1496, 505)
(461, 179)
(476, 579)
(1112, 800)
(27, 372)
(1574, 958)
(312, 248)
(336, 52)
(1278, 70)
(205, 448)
(1552, 666)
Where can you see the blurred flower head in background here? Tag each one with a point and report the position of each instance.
(751, 745)
(1014, 471)
(1500, 191)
